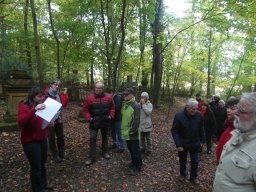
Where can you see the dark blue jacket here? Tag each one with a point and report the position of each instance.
(118, 107)
(187, 131)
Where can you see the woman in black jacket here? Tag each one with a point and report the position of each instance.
(209, 125)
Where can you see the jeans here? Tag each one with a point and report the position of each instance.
(36, 153)
(146, 141)
(57, 131)
(134, 148)
(194, 163)
(93, 142)
(116, 133)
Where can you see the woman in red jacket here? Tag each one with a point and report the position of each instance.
(34, 138)
(56, 133)
(231, 105)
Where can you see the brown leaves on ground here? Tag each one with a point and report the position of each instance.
(159, 173)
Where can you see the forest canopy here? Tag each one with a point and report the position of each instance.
(210, 49)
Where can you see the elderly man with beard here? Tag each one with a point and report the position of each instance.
(237, 168)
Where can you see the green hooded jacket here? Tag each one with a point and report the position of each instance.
(130, 120)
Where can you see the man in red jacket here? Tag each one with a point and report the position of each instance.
(57, 130)
(99, 109)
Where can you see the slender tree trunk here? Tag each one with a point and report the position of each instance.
(115, 70)
(56, 39)
(107, 40)
(37, 45)
(28, 52)
(209, 65)
(157, 52)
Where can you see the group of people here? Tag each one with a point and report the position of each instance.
(236, 140)
(127, 120)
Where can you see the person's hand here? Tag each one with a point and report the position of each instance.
(180, 149)
(109, 117)
(142, 101)
(65, 90)
(40, 106)
(51, 124)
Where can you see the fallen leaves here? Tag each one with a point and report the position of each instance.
(160, 169)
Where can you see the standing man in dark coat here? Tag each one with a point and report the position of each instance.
(188, 134)
(99, 109)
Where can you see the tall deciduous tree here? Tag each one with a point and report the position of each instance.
(37, 44)
(157, 53)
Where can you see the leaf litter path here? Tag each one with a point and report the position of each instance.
(160, 169)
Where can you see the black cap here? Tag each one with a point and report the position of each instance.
(128, 91)
(198, 94)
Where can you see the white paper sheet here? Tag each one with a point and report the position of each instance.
(50, 111)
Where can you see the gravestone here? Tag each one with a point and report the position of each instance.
(16, 88)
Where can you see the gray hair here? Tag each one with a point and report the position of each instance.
(251, 98)
(191, 103)
(99, 83)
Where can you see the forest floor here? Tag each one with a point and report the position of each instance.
(160, 170)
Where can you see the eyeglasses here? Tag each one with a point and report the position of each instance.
(233, 107)
(242, 111)
(57, 85)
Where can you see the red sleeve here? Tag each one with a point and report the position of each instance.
(86, 106)
(25, 114)
(225, 137)
(112, 109)
(64, 99)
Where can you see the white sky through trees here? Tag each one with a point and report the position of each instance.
(177, 6)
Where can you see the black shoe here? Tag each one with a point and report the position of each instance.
(120, 150)
(106, 156)
(134, 172)
(194, 181)
(56, 158)
(64, 158)
(49, 188)
(143, 150)
(148, 153)
(113, 146)
(89, 162)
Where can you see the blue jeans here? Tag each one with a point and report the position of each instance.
(134, 148)
(194, 163)
(36, 153)
(116, 133)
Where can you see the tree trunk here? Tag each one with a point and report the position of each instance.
(115, 70)
(157, 53)
(56, 39)
(107, 40)
(28, 52)
(208, 93)
(37, 45)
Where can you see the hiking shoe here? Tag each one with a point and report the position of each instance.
(148, 153)
(106, 156)
(56, 158)
(113, 146)
(120, 150)
(134, 172)
(89, 162)
(182, 178)
(194, 181)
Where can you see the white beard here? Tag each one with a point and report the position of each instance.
(244, 126)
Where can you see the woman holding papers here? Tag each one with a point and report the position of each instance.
(34, 138)
(57, 130)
